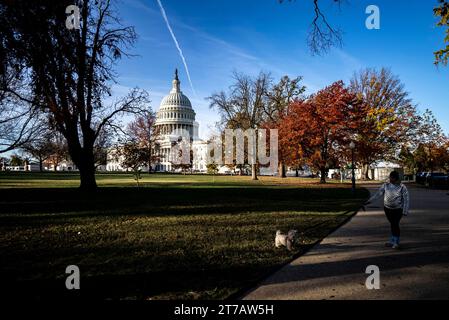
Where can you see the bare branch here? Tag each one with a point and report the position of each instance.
(134, 103)
(322, 36)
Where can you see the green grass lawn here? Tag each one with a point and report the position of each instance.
(193, 237)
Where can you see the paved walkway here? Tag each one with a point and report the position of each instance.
(335, 268)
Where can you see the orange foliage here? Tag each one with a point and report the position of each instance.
(316, 131)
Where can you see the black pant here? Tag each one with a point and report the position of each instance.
(394, 216)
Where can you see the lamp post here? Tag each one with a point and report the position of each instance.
(352, 147)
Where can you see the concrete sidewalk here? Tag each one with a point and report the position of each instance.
(335, 268)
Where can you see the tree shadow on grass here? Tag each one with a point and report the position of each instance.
(31, 207)
(140, 277)
(20, 208)
(29, 201)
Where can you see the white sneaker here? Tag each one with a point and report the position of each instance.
(395, 246)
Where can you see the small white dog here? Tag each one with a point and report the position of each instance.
(285, 240)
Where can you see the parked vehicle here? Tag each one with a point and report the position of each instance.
(421, 177)
(441, 182)
(436, 179)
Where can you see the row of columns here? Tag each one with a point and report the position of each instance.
(165, 155)
(175, 115)
(176, 128)
(164, 160)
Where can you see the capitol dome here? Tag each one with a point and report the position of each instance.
(176, 99)
(175, 112)
(175, 119)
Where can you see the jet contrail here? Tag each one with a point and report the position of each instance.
(164, 15)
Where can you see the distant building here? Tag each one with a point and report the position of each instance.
(31, 167)
(64, 165)
(379, 172)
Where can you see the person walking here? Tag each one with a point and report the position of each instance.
(396, 205)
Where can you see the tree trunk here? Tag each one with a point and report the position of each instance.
(83, 158)
(365, 173)
(87, 170)
(282, 170)
(41, 165)
(254, 172)
(296, 173)
(322, 175)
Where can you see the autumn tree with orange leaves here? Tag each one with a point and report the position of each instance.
(318, 130)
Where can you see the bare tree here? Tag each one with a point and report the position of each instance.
(16, 160)
(101, 147)
(280, 95)
(142, 130)
(69, 73)
(59, 148)
(279, 98)
(40, 149)
(243, 107)
(19, 120)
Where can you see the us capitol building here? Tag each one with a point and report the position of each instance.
(175, 119)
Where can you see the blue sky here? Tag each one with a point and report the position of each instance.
(220, 36)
